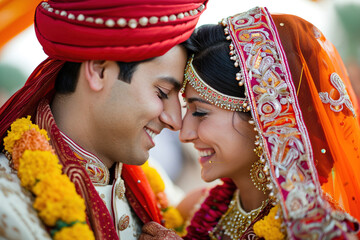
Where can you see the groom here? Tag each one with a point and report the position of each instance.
(109, 86)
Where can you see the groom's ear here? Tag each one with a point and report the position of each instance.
(94, 74)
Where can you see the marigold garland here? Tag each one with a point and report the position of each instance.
(56, 200)
(77, 231)
(154, 178)
(270, 228)
(35, 165)
(172, 217)
(17, 129)
(30, 140)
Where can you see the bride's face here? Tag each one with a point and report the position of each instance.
(224, 139)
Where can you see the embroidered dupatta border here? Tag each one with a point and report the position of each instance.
(276, 111)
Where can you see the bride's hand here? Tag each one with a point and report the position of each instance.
(154, 231)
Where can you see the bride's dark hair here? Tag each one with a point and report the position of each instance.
(213, 64)
(212, 60)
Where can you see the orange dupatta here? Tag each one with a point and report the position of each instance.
(335, 136)
(15, 16)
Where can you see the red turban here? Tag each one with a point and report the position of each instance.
(80, 30)
(120, 30)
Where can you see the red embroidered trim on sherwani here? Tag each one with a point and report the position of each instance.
(138, 192)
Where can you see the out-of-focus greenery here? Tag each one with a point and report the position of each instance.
(349, 15)
(11, 78)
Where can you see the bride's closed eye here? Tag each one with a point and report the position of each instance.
(199, 114)
(196, 112)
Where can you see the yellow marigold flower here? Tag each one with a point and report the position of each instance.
(35, 165)
(30, 140)
(154, 178)
(38, 169)
(57, 199)
(270, 227)
(182, 231)
(173, 218)
(79, 231)
(17, 129)
(69, 209)
(73, 209)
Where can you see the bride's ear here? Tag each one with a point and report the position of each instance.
(240, 118)
(94, 74)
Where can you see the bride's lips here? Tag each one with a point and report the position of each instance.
(205, 154)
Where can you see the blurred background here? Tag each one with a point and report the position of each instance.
(20, 53)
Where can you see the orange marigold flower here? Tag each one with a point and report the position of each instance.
(18, 127)
(30, 140)
(79, 231)
(35, 165)
(162, 200)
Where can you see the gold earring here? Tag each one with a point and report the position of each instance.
(259, 173)
(259, 176)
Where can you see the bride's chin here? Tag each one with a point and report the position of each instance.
(206, 177)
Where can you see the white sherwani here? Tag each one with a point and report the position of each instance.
(19, 220)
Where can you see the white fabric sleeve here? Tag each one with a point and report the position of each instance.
(18, 219)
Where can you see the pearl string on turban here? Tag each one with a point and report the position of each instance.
(127, 31)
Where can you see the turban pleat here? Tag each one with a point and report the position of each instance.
(79, 31)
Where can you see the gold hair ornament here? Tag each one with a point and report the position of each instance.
(233, 56)
(210, 94)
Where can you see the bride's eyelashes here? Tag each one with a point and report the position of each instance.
(196, 112)
(199, 114)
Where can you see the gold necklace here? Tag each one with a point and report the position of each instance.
(235, 221)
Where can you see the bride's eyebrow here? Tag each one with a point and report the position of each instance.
(195, 99)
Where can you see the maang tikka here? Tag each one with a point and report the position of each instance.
(209, 93)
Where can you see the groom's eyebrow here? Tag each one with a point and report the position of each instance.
(171, 80)
(195, 99)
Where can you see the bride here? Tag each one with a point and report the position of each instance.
(272, 113)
